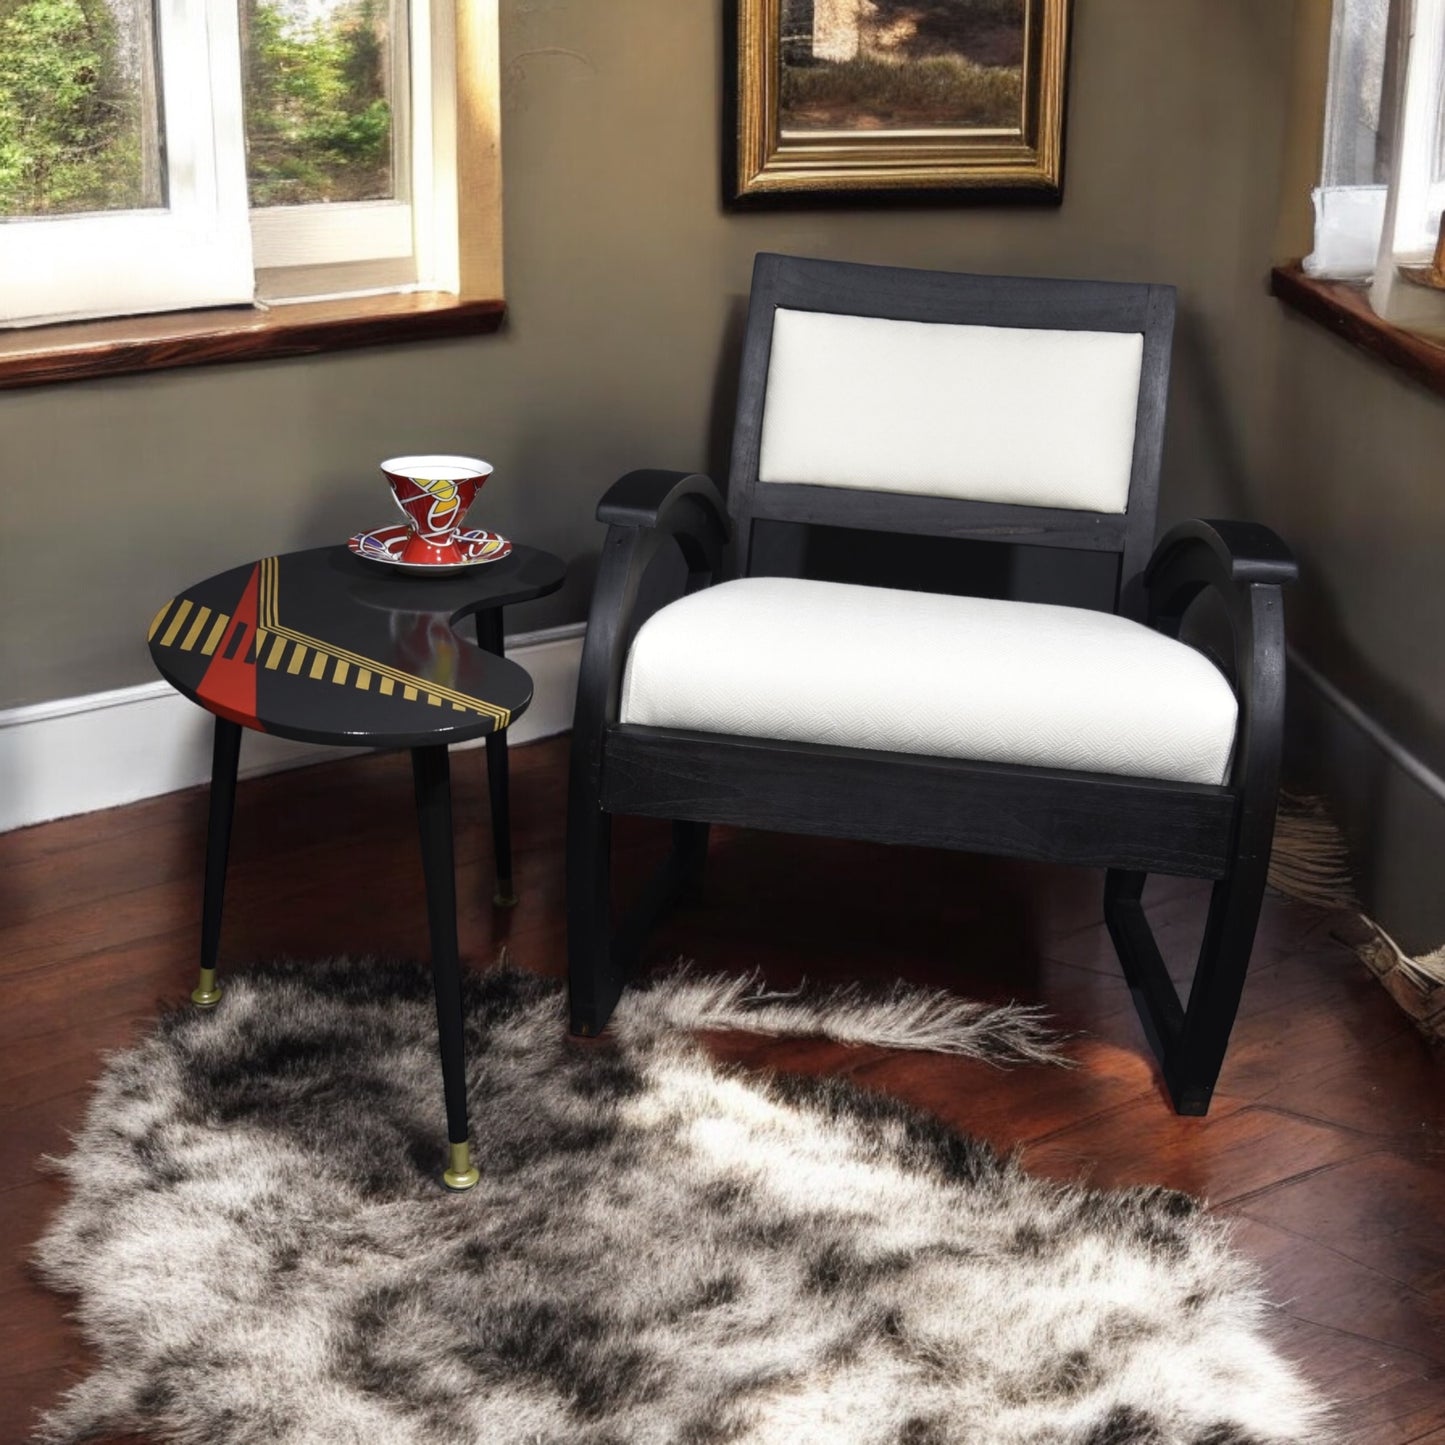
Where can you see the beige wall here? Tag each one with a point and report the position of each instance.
(625, 279)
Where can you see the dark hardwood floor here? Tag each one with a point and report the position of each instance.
(1326, 1142)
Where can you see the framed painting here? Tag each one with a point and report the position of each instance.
(845, 98)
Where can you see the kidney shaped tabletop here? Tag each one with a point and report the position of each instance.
(327, 648)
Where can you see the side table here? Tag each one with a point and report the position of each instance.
(326, 648)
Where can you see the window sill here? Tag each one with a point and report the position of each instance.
(76, 351)
(1344, 310)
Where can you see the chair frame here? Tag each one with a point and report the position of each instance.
(1130, 826)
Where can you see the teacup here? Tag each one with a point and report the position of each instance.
(434, 493)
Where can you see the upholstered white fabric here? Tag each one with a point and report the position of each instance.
(869, 667)
(987, 413)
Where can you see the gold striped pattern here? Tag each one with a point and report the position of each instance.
(195, 629)
(174, 616)
(168, 637)
(366, 667)
(218, 631)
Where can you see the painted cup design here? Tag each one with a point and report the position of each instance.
(434, 494)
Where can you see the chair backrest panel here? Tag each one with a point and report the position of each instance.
(982, 413)
(1001, 407)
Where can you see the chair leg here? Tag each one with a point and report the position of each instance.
(1153, 990)
(595, 976)
(431, 773)
(1190, 1042)
(600, 958)
(1193, 1066)
(225, 755)
(689, 849)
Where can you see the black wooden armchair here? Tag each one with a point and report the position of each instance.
(1026, 411)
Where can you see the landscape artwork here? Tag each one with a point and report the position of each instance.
(841, 97)
(901, 65)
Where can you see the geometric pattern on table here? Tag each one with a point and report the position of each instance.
(909, 672)
(250, 647)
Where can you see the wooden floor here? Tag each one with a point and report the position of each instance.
(1326, 1142)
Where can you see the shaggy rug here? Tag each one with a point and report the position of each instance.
(662, 1251)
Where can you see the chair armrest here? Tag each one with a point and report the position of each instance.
(1246, 551)
(649, 498)
(645, 512)
(1246, 565)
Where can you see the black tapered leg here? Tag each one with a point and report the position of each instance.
(489, 639)
(225, 755)
(431, 773)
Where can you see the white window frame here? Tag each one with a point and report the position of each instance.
(195, 252)
(207, 247)
(1418, 196)
(1412, 217)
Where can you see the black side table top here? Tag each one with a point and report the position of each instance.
(327, 648)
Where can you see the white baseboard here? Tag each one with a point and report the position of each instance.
(78, 754)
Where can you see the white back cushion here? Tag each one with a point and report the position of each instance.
(987, 413)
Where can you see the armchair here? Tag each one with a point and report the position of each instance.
(1010, 409)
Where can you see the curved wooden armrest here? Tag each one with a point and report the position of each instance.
(1246, 565)
(1245, 552)
(645, 511)
(649, 497)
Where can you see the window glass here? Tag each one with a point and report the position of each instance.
(1361, 78)
(80, 114)
(320, 111)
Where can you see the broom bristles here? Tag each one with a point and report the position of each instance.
(1310, 860)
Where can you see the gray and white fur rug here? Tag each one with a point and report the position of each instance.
(662, 1250)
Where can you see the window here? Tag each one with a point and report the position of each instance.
(1382, 189)
(165, 154)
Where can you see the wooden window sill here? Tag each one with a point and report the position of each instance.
(1344, 310)
(75, 351)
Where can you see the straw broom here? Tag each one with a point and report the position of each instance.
(1310, 862)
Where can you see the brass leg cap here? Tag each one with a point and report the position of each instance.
(207, 993)
(462, 1173)
(506, 895)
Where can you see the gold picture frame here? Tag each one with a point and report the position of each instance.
(909, 98)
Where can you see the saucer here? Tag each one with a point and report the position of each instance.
(385, 545)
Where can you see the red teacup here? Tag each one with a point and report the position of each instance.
(434, 493)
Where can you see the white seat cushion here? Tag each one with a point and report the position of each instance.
(911, 672)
